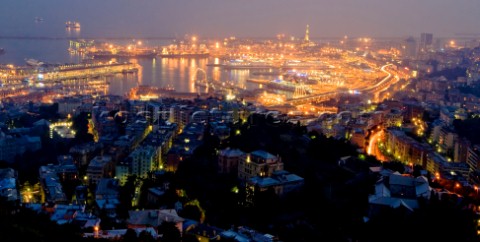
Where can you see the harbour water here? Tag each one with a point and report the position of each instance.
(48, 41)
(179, 73)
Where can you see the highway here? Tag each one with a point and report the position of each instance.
(382, 82)
(373, 146)
(378, 87)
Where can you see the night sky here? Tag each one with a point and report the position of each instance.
(247, 18)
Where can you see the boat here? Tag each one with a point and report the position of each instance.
(266, 73)
(184, 55)
(33, 62)
(105, 54)
(72, 25)
(246, 64)
(188, 48)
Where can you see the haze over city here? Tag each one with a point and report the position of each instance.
(222, 120)
(248, 18)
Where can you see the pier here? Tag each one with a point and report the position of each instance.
(12, 75)
(87, 70)
(86, 78)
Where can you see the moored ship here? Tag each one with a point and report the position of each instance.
(245, 64)
(72, 25)
(33, 62)
(184, 49)
(184, 55)
(123, 54)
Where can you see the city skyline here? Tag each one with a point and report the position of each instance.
(266, 18)
(222, 120)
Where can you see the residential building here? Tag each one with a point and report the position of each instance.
(228, 160)
(143, 161)
(51, 184)
(153, 218)
(8, 185)
(394, 190)
(281, 182)
(258, 163)
(100, 167)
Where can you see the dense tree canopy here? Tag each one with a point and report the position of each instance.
(468, 128)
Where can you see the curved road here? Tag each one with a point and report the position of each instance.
(383, 84)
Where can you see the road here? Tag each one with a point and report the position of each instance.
(373, 145)
(376, 89)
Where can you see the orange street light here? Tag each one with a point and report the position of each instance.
(457, 185)
(96, 229)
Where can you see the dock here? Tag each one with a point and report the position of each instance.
(87, 70)
(69, 79)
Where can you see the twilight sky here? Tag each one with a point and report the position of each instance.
(245, 18)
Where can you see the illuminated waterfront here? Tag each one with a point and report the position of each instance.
(298, 73)
(179, 73)
(331, 66)
(301, 76)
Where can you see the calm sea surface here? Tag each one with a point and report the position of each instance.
(179, 73)
(31, 29)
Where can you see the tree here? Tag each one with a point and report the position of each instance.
(191, 212)
(468, 128)
(190, 238)
(145, 236)
(395, 166)
(80, 125)
(126, 193)
(49, 112)
(169, 232)
(130, 235)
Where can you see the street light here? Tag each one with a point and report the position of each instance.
(95, 231)
(457, 185)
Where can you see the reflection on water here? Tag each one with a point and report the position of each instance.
(72, 32)
(179, 73)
